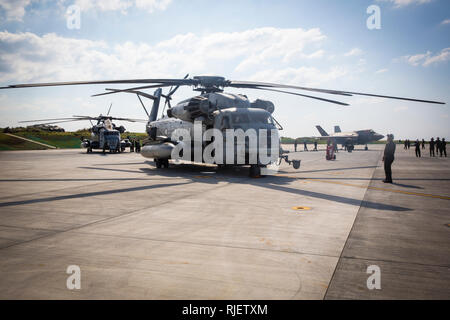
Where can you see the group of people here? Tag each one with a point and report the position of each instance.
(135, 145)
(305, 146)
(439, 145)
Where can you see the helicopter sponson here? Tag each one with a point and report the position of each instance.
(205, 104)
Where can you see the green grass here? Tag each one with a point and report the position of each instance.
(63, 140)
(12, 143)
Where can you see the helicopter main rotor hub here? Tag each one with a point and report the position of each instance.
(208, 84)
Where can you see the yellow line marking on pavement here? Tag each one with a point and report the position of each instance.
(301, 208)
(29, 140)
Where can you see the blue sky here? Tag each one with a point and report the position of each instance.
(325, 44)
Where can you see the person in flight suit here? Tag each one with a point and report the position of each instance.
(315, 145)
(138, 146)
(423, 143)
(417, 145)
(432, 147)
(438, 145)
(305, 147)
(295, 145)
(388, 158)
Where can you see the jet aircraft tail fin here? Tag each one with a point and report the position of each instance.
(322, 132)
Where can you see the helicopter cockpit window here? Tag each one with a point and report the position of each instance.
(111, 133)
(240, 118)
(262, 118)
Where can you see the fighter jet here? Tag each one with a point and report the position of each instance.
(349, 139)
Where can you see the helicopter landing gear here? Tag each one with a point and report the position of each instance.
(104, 151)
(366, 147)
(89, 150)
(162, 163)
(255, 171)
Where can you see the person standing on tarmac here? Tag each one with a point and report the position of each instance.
(438, 145)
(432, 147)
(444, 147)
(305, 147)
(315, 145)
(417, 145)
(423, 143)
(295, 145)
(406, 144)
(388, 158)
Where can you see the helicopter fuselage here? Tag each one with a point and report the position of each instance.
(221, 111)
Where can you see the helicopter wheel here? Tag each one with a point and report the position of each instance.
(255, 171)
(158, 163)
(104, 150)
(165, 163)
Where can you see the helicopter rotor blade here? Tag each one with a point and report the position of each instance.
(260, 85)
(128, 119)
(209, 83)
(143, 94)
(130, 89)
(172, 91)
(43, 120)
(143, 106)
(109, 110)
(304, 95)
(62, 121)
(164, 82)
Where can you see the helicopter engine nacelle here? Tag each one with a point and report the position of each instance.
(121, 129)
(263, 104)
(190, 109)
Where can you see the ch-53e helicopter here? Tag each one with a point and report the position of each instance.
(215, 109)
(105, 135)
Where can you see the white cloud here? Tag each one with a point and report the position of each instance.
(353, 52)
(122, 5)
(382, 71)
(427, 59)
(27, 57)
(446, 21)
(14, 9)
(404, 3)
(152, 5)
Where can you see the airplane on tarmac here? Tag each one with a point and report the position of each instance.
(351, 138)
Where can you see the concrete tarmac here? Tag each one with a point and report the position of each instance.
(196, 232)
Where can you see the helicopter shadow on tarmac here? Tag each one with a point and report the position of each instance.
(214, 175)
(353, 178)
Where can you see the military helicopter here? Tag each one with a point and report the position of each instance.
(105, 135)
(213, 107)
